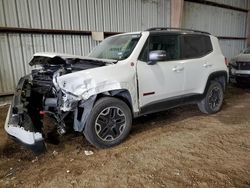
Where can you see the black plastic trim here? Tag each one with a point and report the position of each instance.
(17, 103)
(176, 28)
(231, 38)
(169, 103)
(240, 76)
(217, 74)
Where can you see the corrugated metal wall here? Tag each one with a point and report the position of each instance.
(95, 15)
(101, 15)
(219, 22)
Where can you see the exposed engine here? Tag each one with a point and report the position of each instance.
(45, 97)
(38, 94)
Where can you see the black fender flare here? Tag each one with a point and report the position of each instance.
(220, 76)
(81, 115)
(124, 95)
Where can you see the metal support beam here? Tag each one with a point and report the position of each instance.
(220, 5)
(50, 31)
(248, 25)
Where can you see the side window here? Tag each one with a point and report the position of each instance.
(194, 46)
(169, 43)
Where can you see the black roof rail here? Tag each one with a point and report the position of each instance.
(175, 28)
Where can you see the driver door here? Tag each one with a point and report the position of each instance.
(164, 80)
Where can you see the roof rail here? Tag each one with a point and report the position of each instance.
(175, 28)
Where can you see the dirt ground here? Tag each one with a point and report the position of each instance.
(177, 148)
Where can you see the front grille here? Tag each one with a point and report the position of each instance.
(243, 65)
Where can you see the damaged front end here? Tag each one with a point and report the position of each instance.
(23, 122)
(38, 94)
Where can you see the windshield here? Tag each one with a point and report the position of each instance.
(118, 47)
(246, 51)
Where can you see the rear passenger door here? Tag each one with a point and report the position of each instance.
(195, 51)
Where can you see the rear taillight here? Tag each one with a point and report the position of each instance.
(226, 62)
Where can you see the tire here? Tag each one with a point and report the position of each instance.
(213, 99)
(109, 122)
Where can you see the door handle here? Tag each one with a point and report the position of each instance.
(178, 69)
(206, 65)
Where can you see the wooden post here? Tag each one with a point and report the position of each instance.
(176, 12)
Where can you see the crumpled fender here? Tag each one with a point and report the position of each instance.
(86, 83)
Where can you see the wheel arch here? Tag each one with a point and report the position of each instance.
(220, 76)
(122, 94)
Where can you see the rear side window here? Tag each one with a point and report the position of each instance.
(195, 46)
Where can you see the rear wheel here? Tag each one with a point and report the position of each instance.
(109, 122)
(213, 99)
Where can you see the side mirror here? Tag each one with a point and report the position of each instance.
(157, 55)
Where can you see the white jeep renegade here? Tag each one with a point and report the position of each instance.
(126, 76)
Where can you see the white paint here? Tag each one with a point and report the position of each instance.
(121, 75)
(160, 79)
(179, 77)
(198, 70)
(18, 132)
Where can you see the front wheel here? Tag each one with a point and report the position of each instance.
(109, 122)
(213, 99)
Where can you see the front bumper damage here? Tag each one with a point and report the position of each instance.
(32, 140)
(18, 124)
(24, 124)
(243, 75)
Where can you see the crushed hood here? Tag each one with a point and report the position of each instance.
(45, 58)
